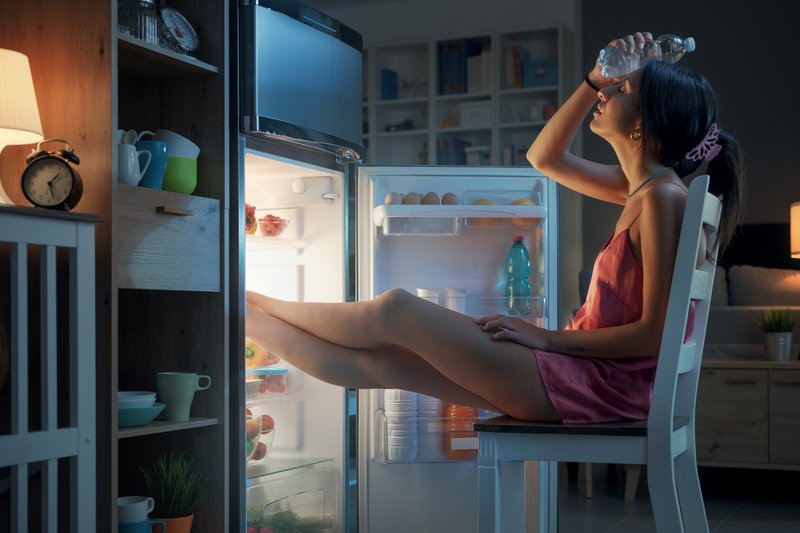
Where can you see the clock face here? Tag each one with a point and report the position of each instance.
(48, 182)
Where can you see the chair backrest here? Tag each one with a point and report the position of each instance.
(678, 371)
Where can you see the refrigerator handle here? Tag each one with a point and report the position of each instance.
(330, 196)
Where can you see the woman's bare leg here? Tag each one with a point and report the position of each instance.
(504, 374)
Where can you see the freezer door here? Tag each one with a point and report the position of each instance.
(453, 253)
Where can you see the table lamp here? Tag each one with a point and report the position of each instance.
(794, 229)
(19, 114)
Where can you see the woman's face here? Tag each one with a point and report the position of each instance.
(619, 111)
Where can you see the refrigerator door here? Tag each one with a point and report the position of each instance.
(297, 252)
(426, 480)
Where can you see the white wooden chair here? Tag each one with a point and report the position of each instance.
(665, 442)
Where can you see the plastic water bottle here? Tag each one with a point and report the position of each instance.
(615, 61)
(518, 272)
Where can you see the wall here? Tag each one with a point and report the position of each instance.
(756, 91)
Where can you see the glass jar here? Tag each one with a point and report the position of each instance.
(139, 19)
(458, 421)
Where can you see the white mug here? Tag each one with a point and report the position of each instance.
(128, 169)
(179, 146)
(134, 508)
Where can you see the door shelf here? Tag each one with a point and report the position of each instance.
(450, 219)
(163, 426)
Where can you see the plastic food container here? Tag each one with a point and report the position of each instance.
(272, 379)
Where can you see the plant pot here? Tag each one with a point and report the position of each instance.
(182, 524)
(778, 345)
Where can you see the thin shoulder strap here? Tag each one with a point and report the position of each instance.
(639, 211)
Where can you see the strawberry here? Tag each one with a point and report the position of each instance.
(250, 224)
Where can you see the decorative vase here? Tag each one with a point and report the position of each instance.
(182, 524)
(778, 345)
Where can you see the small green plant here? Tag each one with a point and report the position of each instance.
(776, 320)
(175, 485)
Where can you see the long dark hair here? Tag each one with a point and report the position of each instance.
(678, 108)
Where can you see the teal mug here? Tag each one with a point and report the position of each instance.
(145, 526)
(176, 390)
(154, 174)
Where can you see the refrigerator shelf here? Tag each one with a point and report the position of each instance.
(433, 439)
(267, 244)
(383, 212)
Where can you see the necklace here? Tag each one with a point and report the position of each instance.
(642, 184)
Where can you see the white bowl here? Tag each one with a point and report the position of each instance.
(135, 398)
(251, 387)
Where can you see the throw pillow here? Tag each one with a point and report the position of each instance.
(750, 285)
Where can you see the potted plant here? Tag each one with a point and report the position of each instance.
(176, 487)
(777, 325)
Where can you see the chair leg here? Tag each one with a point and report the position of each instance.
(488, 488)
(690, 494)
(588, 481)
(632, 473)
(541, 493)
(663, 495)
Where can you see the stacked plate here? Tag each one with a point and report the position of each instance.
(137, 408)
(429, 428)
(400, 408)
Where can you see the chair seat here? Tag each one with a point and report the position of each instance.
(631, 428)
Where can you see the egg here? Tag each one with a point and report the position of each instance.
(449, 198)
(267, 423)
(394, 198)
(252, 428)
(412, 198)
(430, 199)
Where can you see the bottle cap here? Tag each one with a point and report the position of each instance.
(689, 44)
(518, 238)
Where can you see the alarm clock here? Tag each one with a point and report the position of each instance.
(50, 179)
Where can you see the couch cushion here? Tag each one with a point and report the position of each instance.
(719, 293)
(750, 285)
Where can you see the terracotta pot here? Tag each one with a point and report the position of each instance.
(175, 525)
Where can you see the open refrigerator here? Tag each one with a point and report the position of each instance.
(332, 462)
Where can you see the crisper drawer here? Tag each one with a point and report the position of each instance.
(166, 241)
(293, 495)
(732, 415)
(784, 416)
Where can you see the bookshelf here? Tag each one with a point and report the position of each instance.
(474, 99)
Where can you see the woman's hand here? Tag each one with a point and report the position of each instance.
(632, 42)
(508, 328)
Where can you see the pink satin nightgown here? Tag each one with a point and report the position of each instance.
(586, 389)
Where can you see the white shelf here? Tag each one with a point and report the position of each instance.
(382, 212)
(267, 244)
(461, 129)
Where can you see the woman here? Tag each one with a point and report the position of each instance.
(660, 121)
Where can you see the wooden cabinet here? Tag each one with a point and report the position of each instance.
(732, 415)
(784, 417)
(748, 414)
(474, 99)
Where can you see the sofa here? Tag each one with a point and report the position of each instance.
(740, 293)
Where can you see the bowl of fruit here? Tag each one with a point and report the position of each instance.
(252, 434)
(266, 438)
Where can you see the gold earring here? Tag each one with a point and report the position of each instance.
(636, 134)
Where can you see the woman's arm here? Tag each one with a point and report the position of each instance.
(550, 154)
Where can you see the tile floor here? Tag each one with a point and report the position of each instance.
(737, 501)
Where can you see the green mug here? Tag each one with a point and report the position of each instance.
(176, 390)
(180, 175)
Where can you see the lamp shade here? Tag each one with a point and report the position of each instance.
(794, 229)
(19, 114)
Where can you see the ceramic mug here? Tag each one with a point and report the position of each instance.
(129, 169)
(145, 526)
(154, 175)
(179, 146)
(180, 175)
(133, 508)
(176, 390)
